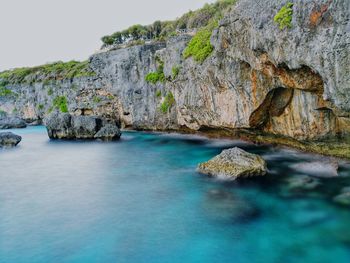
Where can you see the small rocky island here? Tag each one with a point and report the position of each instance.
(234, 163)
(9, 139)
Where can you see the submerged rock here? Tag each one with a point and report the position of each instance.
(344, 197)
(322, 168)
(302, 182)
(222, 205)
(7, 122)
(9, 139)
(66, 126)
(233, 163)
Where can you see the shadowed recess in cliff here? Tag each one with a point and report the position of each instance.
(273, 105)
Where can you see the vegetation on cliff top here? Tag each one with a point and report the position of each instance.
(53, 71)
(284, 16)
(162, 30)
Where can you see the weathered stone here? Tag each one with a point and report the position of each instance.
(108, 133)
(58, 126)
(85, 127)
(9, 139)
(12, 122)
(234, 163)
(67, 126)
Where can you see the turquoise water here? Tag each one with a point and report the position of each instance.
(141, 200)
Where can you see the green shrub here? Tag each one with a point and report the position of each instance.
(175, 71)
(60, 103)
(110, 97)
(158, 93)
(158, 76)
(154, 77)
(167, 103)
(49, 91)
(200, 47)
(284, 17)
(97, 99)
(5, 92)
(40, 107)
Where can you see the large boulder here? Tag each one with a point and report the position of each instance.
(9, 139)
(234, 163)
(7, 122)
(59, 126)
(67, 126)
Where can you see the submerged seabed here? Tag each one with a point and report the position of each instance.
(141, 200)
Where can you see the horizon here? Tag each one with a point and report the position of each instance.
(73, 39)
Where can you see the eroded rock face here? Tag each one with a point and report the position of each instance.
(234, 163)
(293, 82)
(9, 139)
(67, 126)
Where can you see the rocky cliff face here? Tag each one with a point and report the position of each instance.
(293, 82)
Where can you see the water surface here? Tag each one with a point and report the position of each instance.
(140, 200)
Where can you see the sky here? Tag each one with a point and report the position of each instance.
(35, 32)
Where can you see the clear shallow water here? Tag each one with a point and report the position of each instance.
(141, 200)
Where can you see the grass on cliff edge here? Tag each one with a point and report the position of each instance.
(53, 71)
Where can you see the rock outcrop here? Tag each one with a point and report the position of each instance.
(234, 163)
(7, 122)
(67, 126)
(9, 139)
(292, 83)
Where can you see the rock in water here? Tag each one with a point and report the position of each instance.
(66, 126)
(108, 132)
(344, 197)
(12, 123)
(322, 168)
(234, 163)
(302, 182)
(9, 139)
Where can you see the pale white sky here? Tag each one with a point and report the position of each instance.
(35, 32)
